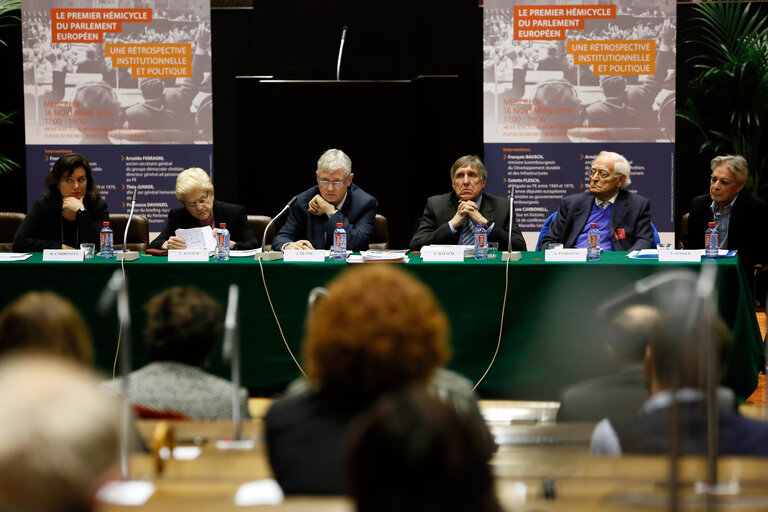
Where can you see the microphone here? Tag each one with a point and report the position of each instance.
(341, 49)
(231, 352)
(272, 255)
(511, 255)
(110, 292)
(127, 255)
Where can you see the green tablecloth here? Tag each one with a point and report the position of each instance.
(549, 338)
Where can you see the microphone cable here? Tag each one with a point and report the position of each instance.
(501, 326)
(120, 328)
(277, 321)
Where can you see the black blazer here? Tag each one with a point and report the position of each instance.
(42, 227)
(234, 215)
(631, 212)
(747, 228)
(433, 227)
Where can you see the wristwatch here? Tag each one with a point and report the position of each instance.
(81, 209)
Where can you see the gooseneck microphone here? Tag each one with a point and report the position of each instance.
(272, 255)
(341, 49)
(127, 255)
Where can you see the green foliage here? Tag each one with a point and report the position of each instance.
(7, 19)
(729, 100)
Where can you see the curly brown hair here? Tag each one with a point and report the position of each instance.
(378, 329)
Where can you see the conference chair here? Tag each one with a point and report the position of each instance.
(258, 224)
(548, 222)
(380, 236)
(9, 224)
(138, 233)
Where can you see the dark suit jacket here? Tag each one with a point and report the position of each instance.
(42, 227)
(630, 212)
(433, 227)
(649, 433)
(747, 229)
(234, 215)
(357, 214)
(619, 395)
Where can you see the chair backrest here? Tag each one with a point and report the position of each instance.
(258, 223)
(544, 230)
(138, 233)
(683, 230)
(380, 237)
(9, 224)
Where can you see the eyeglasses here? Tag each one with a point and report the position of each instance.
(337, 184)
(603, 174)
(200, 202)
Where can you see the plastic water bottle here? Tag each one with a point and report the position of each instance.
(339, 247)
(593, 243)
(481, 242)
(106, 241)
(711, 242)
(222, 243)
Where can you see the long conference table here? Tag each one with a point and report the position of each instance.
(550, 336)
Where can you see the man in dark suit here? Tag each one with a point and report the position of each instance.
(448, 219)
(674, 366)
(741, 217)
(313, 217)
(623, 218)
(621, 393)
(195, 191)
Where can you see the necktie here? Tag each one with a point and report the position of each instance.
(604, 205)
(467, 236)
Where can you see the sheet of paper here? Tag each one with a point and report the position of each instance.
(260, 492)
(198, 238)
(15, 256)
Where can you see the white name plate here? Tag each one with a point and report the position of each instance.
(565, 255)
(188, 255)
(680, 255)
(304, 255)
(63, 255)
(444, 253)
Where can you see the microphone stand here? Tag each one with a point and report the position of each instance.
(272, 255)
(127, 255)
(231, 353)
(509, 254)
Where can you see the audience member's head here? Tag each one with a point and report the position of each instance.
(60, 435)
(557, 104)
(46, 323)
(183, 325)
(378, 329)
(629, 334)
(411, 452)
(98, 97)
(151, 88)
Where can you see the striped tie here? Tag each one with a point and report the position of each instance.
(467, 236)
(604, 205)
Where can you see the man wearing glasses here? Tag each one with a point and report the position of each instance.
(450, 218)
(313, 217)
(623, 218)
(195, 191)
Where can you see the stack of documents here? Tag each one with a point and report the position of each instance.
(380, 256)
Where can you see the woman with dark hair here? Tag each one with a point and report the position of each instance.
(70, 212)
(413, 453)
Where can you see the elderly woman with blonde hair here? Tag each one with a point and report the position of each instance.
(199, 208)
(378, 330)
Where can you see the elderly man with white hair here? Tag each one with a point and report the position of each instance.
(335, 199)
(623, 218)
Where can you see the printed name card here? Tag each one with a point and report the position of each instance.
(443, 253)
(63, 255)
(188, 255)
(565, 255)
(304, 255)
(680, 255)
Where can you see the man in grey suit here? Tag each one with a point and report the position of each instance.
(623, 218)
(621, 393)
(448, 219)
